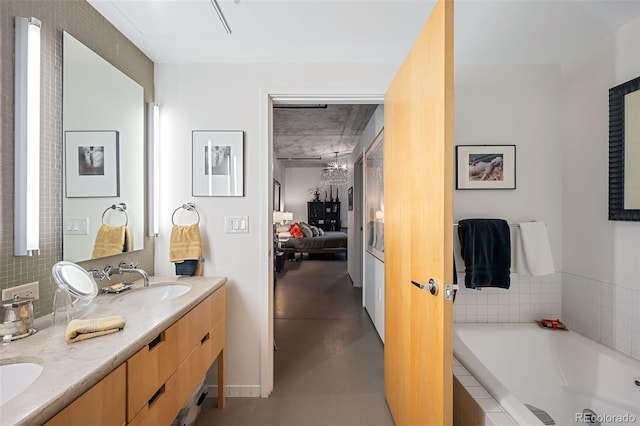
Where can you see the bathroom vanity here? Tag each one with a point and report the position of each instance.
(142, 374)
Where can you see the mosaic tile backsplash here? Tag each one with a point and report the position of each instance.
(87, 25)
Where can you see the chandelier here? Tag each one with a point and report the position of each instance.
(334, 173)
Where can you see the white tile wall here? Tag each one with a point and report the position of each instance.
(529, 298)
(605, 312)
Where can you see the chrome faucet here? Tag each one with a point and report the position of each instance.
(130, 267)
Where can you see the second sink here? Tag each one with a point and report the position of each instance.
(152, 295)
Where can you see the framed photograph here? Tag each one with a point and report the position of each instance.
(486, 167)
(350, 197)
(218, 163)
(276, 195)
(91, 164)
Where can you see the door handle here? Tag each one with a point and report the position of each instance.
(432, 286)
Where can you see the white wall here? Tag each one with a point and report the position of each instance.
(596, 247)
(300, 180)
(513, 105)
(373, 268)
(373, 127)
(215, 96)
(601, 287)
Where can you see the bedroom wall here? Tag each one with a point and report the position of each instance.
(601, 288)
(227, 96)
(513, 105)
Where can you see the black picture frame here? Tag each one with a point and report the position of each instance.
(276, 196)
(350, 198)
(617, 95)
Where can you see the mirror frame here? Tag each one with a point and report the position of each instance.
(617, 151)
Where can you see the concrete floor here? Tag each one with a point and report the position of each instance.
(329, 362)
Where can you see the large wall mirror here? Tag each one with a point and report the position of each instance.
(103, 156)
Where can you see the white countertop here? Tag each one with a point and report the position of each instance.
(70, 369)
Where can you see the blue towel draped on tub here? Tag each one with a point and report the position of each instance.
(486, 249)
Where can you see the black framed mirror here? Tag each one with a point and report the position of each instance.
(624, 151)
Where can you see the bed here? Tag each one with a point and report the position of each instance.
(329, 243)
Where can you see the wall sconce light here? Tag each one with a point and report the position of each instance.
(153, 142)
(27, 137)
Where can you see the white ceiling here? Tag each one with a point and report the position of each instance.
(329, 31)
(498, 31)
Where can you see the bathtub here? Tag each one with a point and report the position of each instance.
(560, 372)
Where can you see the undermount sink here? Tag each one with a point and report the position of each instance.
(15, 378)
(151, 295)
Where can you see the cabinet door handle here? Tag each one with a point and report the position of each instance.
(205, 338)
(155, 396)
(155, 342)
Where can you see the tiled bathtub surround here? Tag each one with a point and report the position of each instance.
(605, 312)
(529, 298)
(472, 404)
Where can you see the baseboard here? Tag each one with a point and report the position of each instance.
(235, 391)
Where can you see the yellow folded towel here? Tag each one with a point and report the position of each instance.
(78, 330)
(185, 244)
(128, 244)
(110, 240)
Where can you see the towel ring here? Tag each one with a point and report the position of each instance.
(119, 207)
(188, 207)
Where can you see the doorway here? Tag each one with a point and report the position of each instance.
(269, 97)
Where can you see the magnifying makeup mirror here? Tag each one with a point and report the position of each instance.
(76, 290)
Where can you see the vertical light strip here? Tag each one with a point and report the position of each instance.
(153, 149)
(27, 137)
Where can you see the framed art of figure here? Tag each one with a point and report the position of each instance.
(486, 167)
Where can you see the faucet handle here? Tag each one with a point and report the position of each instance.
(102, 274)
(126, 265)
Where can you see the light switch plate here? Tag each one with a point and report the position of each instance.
(236, 224)
(76, 226)
(24, 290)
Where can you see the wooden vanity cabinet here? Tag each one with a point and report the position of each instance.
(104, 403)
(162, 375)
(154, 383)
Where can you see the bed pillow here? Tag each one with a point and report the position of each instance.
(320, 231)
(295, 231)
(283, 235)
(306, 230)
(315, 231)
(282, 228)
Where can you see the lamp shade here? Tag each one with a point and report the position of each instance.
(286, 216)
(277, 217)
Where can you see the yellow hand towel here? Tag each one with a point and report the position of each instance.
(109, 241)
(128, 243)
(185, 244)
(78, 330)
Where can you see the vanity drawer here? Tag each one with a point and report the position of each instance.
(193, 326)
(195, 367)
(163, 406)
(150, 367)
(103, 404)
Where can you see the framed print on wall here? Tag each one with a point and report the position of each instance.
(486, 167)
(218, 163)
(91, 160)
(350, 197)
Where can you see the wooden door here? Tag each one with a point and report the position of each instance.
(418, 189)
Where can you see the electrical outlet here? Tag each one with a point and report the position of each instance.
(24, 290)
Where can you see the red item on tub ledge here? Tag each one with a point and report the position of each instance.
(555, 324)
